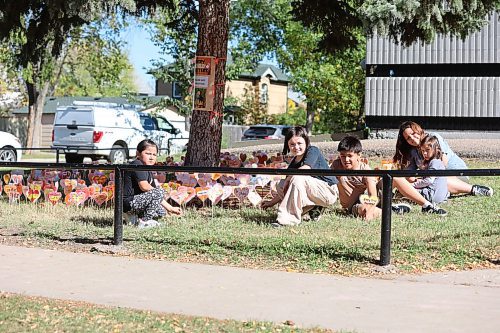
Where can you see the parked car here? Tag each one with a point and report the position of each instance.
(268, 132)
(10, 150)
(106, 130)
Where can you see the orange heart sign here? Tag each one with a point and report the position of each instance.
(75, 199)
(99, 179)
(10, 190)
(178, 196)
(100, 198)
(6, 178)
(202, 193)
(54, 197)
(368, 200)
(33, 195)
(110, 191)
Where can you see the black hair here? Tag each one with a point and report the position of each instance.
(295, 131)
(144, 144)
(351, 144)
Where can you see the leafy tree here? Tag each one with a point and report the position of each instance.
(37, 30)
(404, 21)
(94, 63)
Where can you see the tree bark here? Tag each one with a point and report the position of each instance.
(310, 113)
(31, 88)
(206, 126)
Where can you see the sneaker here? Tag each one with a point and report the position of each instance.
(130, 218)
(147, 224)
(316, 212)
(276, 225)
(432, 209)
(401, 208)
(480, 190)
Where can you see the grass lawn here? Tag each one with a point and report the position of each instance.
(469, 237)
(36, 314)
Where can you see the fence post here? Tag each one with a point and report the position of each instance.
(118, 222)
(385, 241)
(57, 155)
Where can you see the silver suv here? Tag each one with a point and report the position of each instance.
(267, 132)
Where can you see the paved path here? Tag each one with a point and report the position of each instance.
(451, 302)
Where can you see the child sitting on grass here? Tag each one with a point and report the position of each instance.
(352, 188)
(433, 189)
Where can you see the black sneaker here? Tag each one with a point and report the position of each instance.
(401, 208)
(316, 212)
(431, 209)
(480, 190)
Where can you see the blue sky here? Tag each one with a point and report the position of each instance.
(141, 51)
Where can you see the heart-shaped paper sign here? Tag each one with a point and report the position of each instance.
(215, 193)
(226, 192)
(6, 178)
(202, 193)
(75, 199)
(368, 200)
(254, 198)
(99, 179)
(243, 157)
(65, 174)
(71, 183)
(54, 197)
(16, 179)
(33, 195)
(94, 188)
(112, 176)
(205, 179)
(241, 192)
(110, 191)
(25, 190)
(178, 196)
(36, 185)
(243, 179)
(100, 198)
(191, 193)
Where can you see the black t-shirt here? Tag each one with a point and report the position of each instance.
(315, 160)
(131, 184)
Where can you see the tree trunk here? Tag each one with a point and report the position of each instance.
(206, 127)
(31, 88)
(311, 111)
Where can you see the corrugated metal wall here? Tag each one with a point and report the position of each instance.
(447, 96)
(480, 47)
(433, 96)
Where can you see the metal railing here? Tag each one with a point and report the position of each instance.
(386, 175)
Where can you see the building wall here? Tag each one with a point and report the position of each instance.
(450, 83)
(18, 126)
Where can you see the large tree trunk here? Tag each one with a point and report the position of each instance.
(310, 113)
(206, 127)
(36, 101)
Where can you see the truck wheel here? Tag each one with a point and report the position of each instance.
(8, 155)
(118, 155)
(74, 158)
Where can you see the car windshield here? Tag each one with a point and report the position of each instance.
(260, 131)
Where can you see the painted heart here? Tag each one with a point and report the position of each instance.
(241, 192)
(85, 191)
(16, 179)
(36, 186)
(262, 158)
(94, 188)
(215, 193)
(191, 193)
(65, 174)
(254, 198)
(100, 198)
(10, 190)
(243, 157)
(110, 191)
(368, 200)
(33, 195)
(112, 176)
(202, 193)
(25, 190)
(80, 182)
(216, 176)
(102, 179)
(71, 183)
(190, 181)
(226, 192)
(75, 199)
(178, 196)
(205, 179)
(6, 178)
(54, 197)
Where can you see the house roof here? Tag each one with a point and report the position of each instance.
(52, 103)
(266, 69)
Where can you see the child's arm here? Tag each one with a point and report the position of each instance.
(424, 182)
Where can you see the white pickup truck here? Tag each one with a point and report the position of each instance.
(107, 130)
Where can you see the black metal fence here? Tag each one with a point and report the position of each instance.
(386, 175)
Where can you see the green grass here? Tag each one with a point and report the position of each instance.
(469, 237)
(36, 314)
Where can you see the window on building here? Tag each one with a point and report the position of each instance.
(264, 94)
(176, 90)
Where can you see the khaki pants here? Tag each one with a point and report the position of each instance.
(303, 193)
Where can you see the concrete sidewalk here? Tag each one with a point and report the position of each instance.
(446, 302)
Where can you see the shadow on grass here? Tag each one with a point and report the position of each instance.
(99, 222)
(76, 239)
(304, 251)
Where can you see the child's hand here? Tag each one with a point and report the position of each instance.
(175, 210)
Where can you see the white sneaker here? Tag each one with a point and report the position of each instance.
(147, 224)
(130, 218)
